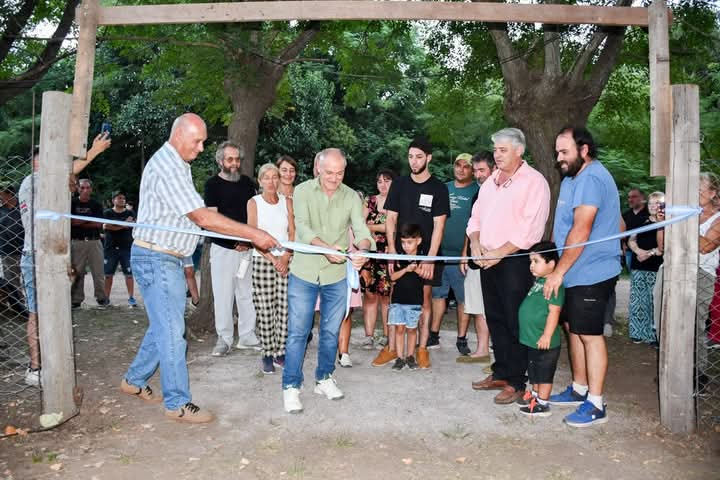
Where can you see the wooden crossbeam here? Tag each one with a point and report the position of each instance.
(370, 10)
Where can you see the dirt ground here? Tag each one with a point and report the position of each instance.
(422, 424)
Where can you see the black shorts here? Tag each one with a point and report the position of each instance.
(585, 306)
(113, 256)
(542, 365)
(436, 280)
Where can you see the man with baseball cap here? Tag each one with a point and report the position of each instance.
(461, 190)
(118, 240)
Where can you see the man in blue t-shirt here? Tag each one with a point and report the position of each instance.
(588, 209)
(461, 190)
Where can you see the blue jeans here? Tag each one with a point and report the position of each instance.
(162, 284)
(302, 296)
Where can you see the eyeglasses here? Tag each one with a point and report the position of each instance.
(507, 183)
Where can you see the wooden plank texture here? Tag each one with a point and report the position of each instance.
(677, 337)
(86, 17)
(370, 10)
(660, 96)
(52, 261)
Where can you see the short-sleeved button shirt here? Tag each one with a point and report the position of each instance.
(167, 195)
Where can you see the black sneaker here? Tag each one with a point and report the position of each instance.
(411, 363)
(462, 346)
(398, 365)
(103, 302)
(76, 305)
(536, 409)
(433, 341)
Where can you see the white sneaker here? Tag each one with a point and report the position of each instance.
(248, 342)
(328, 387)
(32, 377)
(221, 348)
(291, 400)
(345, 361)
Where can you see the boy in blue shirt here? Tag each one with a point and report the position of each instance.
(539, 331)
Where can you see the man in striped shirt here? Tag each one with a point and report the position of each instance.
(168, 198)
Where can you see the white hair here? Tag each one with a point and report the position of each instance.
(323, 154)
(513, 135)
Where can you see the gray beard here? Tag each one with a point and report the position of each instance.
(230, 177)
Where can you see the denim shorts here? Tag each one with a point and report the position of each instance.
(115, 255)
(451, 278)
(28, 278)
(407, 315)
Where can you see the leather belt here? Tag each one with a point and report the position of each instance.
(156, 248)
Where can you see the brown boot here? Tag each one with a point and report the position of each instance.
(423, 358)
(190, 413)
(384, 357)
(145, 394)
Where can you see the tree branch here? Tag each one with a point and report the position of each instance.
(14, 25)
(299, 43)
(582, 61)
(607, 61)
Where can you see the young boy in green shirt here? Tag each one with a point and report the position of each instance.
(539, 331)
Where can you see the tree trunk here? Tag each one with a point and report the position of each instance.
(540, 109)
(250, 102)
(203, 318)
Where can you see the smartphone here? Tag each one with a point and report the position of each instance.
(106, 127)
(661, 207)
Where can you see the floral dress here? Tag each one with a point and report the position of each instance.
(379, 282)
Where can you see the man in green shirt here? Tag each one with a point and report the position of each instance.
(325, 209)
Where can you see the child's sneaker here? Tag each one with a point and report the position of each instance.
(399, 364)
(587, 414)
(344, 360)
(536, 409)
(462, 345)
(525, 399)
(132, 303)
(411, 363)
(568, 397)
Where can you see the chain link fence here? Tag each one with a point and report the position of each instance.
(707, 378)
(20, 394)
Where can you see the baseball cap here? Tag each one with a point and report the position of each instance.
(118, 192)
(464, 157)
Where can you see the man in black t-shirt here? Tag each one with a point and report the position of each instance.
(420, 199)
(86, 250)
(118, 240)
(634, 217)
(228, 193)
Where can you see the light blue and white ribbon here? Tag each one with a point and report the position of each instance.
(678, 213)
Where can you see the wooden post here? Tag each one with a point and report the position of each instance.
(87, 17)
(660, 101)
(677, 338)
(52, 243)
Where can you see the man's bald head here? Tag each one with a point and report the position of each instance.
(187, 136)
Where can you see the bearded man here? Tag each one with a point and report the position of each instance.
(231, 262)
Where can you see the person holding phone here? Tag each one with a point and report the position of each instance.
(647, 256)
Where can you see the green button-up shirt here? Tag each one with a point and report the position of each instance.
(327, 218)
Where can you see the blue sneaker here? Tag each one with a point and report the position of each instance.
(132, 302)
(587, 414)
(568, 397)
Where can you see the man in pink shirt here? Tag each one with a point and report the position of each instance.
(508, 218)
